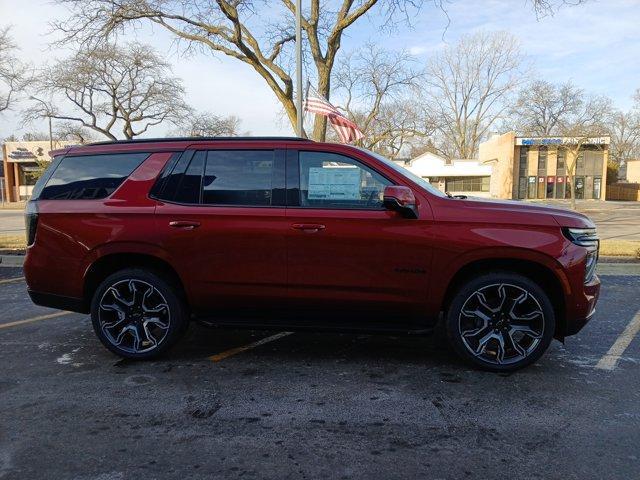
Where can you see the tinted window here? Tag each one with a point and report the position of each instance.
(189, 187)
(238, 177)
(46, 175)
(175, 177)
(90, 176)
(329, 180)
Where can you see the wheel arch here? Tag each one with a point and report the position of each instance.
(542, 274)
(110, 263)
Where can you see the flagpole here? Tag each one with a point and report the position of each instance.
(299, 67)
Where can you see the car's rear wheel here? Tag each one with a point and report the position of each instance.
(500, 321)
(138, 314)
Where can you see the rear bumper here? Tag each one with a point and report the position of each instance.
(584, 307)
(58, 301)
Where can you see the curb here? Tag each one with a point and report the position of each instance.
(11, 260)
(618, 269)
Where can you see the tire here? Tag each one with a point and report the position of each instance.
(500, 321)
(138, 314)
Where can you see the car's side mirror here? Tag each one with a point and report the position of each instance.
(400, 199)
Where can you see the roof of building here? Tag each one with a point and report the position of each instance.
(433, 165)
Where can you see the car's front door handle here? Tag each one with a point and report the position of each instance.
(308, 227)
(184, 224)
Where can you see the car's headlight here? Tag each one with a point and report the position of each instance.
(586, 237)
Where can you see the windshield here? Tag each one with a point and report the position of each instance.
(405, 173)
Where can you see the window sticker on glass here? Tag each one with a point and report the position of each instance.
(334, 183)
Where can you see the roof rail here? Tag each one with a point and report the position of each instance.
(200, 139)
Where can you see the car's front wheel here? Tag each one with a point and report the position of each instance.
(138, 314)
(500, 321)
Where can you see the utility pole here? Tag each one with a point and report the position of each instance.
(299, 67)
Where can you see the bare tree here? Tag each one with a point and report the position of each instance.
(376, 89)
(14, 74)
(236, 29)
(580, 130)
(75, 132)
(545, 8)
(112, 88)
(466, 88)
(207, 124)
(542, 106)
(233, 28)
(624, 128)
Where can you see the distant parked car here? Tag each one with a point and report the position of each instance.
(284, 233)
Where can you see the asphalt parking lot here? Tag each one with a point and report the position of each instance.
(312, 405)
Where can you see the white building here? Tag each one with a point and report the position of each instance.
(458, 177)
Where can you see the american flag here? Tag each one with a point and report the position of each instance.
(345, 128)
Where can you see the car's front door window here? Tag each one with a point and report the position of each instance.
(330, 180)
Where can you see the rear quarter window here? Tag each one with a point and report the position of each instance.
(90, 176)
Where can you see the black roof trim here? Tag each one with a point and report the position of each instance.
(200, 139)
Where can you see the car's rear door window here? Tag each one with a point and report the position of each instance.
(90, 176)
(238, 177)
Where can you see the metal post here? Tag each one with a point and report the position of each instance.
(50, 134)
(299, 67)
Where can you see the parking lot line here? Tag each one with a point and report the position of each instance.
(11, 280)
(234, 351)
(34, 319)
(611, 358)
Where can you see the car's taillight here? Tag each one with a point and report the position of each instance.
(586, 237)
(31, 221)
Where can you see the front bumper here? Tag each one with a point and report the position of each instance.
(583, 306)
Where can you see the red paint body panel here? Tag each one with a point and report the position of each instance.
(299, 258)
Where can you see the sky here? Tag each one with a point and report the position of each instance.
(596, 45)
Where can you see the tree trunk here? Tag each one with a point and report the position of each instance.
(573, 192)
(324, 86)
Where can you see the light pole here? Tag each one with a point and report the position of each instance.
(48, 116)
(299, 66)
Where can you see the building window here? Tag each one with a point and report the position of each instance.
(579, 188)
(531, 193)
(523, 163)
(542, 161)
(597, 187)
(560, 187)
(522, 188)
(467, 184)
(561, 165)
(551, 182)
(580, 164)
(541, 187)
(593, 160)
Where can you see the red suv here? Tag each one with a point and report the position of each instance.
(285, 233)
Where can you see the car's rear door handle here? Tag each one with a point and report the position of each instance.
(308, 227)
(184, 224)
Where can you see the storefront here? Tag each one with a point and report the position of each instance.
(541, 167)
(456, 176)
